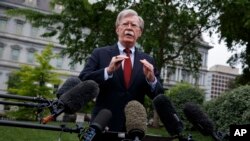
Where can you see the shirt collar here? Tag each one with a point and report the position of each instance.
(121, 48)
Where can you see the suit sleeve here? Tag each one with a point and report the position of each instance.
(92, 69)
(158, 87)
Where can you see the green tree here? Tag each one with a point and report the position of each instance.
(232, 107)
(33, 81)
(172, 27)
(232, 20)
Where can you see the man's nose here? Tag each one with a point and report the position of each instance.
(130, 25)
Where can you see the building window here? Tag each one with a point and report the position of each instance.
(185, 75)
(1, 49)
(202, 79)
(72, 67)
(1, 52)
(15, 52)
(19, 27)
(2, 83)
(204, 59)
(3, 23)
(31, 55)
(34, 32)
(171, 73)
(59, 62)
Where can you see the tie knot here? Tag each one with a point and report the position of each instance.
(127, 51)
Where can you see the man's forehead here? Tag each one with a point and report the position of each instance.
(130, 18)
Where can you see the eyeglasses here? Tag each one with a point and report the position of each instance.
(132, 25)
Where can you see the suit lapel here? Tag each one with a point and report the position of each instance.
(114, 51)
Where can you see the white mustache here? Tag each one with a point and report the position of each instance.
(127, 32)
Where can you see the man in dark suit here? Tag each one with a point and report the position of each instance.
(122, 76)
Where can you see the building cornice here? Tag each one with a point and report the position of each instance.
(10, 4)
(29, 39)
(223, 73)
(203, 44)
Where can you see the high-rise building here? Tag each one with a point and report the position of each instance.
(218, 79)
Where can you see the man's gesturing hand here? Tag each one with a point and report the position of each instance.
(115, 63)
(148, 70)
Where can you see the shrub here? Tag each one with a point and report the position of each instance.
(230, 108)
(183, 93)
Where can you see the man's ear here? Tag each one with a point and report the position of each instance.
(117, 30)
(140, 33)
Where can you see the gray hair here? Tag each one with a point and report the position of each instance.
(129, 12)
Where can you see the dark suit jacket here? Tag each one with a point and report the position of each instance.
(113, 94)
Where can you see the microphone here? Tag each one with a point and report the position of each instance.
(200, 120)
(136, 120)
(97, 126)
(67, 85)
(168, 115)
(73, 100)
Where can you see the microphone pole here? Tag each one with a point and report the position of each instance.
(40, 104)
(25, 104)
(27, 98)
(62, 128)
(40, 126)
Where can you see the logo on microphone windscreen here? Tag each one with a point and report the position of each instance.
(240, 132)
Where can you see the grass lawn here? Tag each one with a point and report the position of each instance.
(24, 134)
(27, 134)
(196, 136)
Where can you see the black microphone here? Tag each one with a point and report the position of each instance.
(136, 120)
(168, 115)
(200, 120)
(67, 85)
(74, 99)
(97, 126)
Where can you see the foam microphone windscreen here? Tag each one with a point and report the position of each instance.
(136, 119)
(168, 115)
(101, 120)
(67, 85)
(198, 118)
(74, 99)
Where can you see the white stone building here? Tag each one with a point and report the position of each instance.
(19, 40)
(172, 75)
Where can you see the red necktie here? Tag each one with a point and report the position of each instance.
(127, 68)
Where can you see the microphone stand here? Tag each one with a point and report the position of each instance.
(27, 98)
(40, 104)
(26, 104)
(40, 126)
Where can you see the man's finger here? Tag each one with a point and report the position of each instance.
(147, 64)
